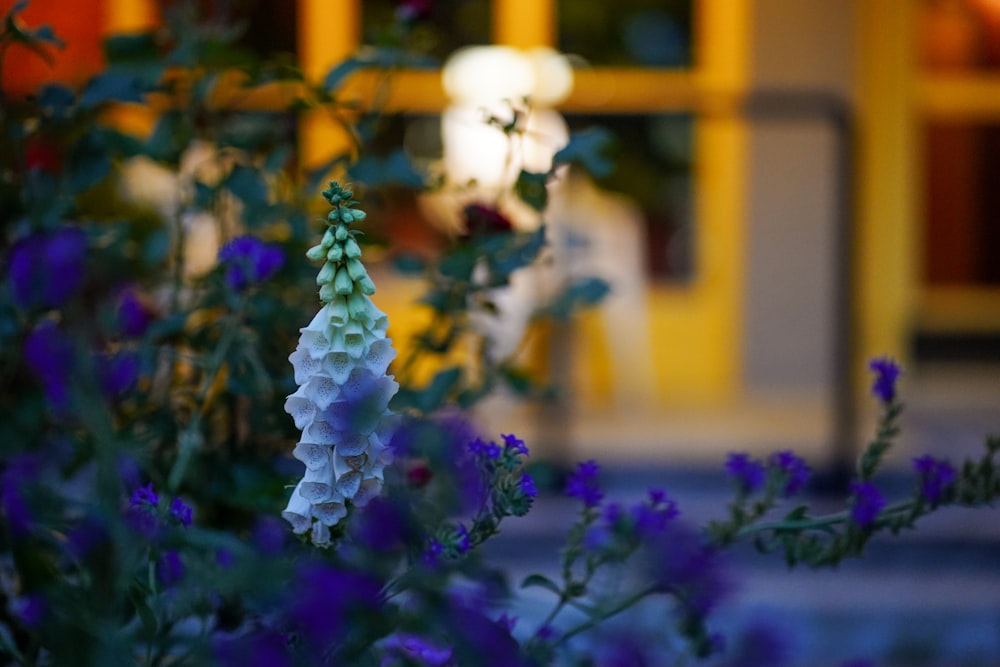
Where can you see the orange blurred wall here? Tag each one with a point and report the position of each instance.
(78, 24)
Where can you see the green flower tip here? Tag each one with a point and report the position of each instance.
(342, 273)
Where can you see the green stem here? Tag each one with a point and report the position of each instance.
(593, 622)
(189, 439)
(803, 525)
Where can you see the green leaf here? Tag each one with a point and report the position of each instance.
(247, 184)
(394, 169)
(589, 149)
(459, 264)
(112, 86)
(583, 293)
(89, 163)
(433, 395)
(530, 187)
(541, 581)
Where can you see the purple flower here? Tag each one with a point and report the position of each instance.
(680, 563)
(868, 501)
(433, 551)
(749, 473)
(170, 568)
(327, 600)
(935, 477)
(47, 269)
(796, 472)
(527, 484)
(583, 484)
(133, 318)
(515, 443)
(181, 511)
(117, 372)
(249, 261)
(49, 355)
(258, 648)
(225, 558)
(418, 650)
(383, 525)
(652, 519)
(507, 622)
(886, 373)
(490, 450)
(462, 541)
(144, 495)
(30, 609)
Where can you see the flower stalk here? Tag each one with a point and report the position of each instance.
(341, 405)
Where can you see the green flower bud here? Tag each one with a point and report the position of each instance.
(328, 238)
(366, 285)
(351, 249)
(316, 253)
(338, 311)
(347, 216)
(341, 233)
(336, 253)
(359, 215)
(334, 215)
(356, 269)
(327, 273)
(342, 283)
(357, 307)
(327, 294)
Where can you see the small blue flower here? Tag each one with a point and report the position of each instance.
(132, 316)
(30, 609)
(749, 474)
(795, 470)
(462, 540)
(868, 501)
(583, 484)
(47, 269)
(117, 373)
(49, 355)
(527, 485)
(145, 495)
(515, 443)
(886, 372)
(936, 476)
(181, 511)
(249, 261)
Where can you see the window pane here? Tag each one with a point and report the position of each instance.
(446, 26)
(646, 33)
(653, 162)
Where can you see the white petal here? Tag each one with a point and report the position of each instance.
(368, 490)
(321, 432)
(338, 365)
(352, 444)
(379, 355)
(349, 483)
(329, 513)
(314, 456)
(302, 410)
(322, 390)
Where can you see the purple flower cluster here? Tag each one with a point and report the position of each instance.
(249, 261)
(936, 477)
(793, 469)
(410, 649)
(46, 269)
(583, 484)
(867, 502)
(49, 355)
(143, 511)
(886, 372)
(748, 473)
